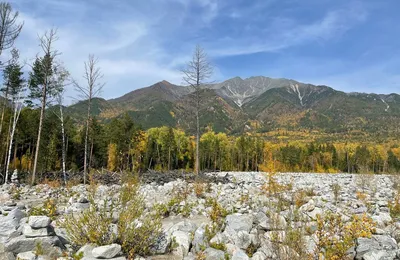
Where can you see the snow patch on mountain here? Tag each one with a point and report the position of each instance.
(296, 90)
(387, 105)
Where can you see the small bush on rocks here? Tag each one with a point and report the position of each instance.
(138, 230)
(39, 249)
(335, 238)
(49, 209)
(336, 191)
(15, 193)
(92, 226)
(217, 213)
(394, 207)
(199, 189)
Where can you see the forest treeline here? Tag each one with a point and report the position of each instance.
(121, 145)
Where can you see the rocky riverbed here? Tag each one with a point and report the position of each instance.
(260, 216)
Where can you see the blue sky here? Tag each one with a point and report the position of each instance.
(348, 45)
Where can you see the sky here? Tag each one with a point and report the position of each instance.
(350, 45)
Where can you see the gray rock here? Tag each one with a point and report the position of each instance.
(309, 206)
(365, 245)
(378, 255)
(39, 221)
(22, 244)
(199, 239)
(386, 242)
(313, 214)
(183, 241)
(9, 224)
(383, 219)
(240, 222)
(259, 256)
(162, 244)
(30, 255)
(239, 255)
(86, 250)
(7, 256)
(106, 252)
(214, 254)
(28, 231)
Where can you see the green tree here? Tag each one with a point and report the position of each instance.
(44, 82)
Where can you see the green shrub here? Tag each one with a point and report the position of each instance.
(92, 226)
(39, 249)
(49, 209)
(138, 231)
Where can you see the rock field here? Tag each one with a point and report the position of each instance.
(256, 225)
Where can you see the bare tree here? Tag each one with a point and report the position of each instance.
(93, 87)
(198, 70)
(61, 78)
(60, 101)
(10, 29)
(44, 83)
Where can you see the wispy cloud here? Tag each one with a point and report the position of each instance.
(283, 32)
(141, 42)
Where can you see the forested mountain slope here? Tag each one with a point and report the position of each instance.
(256, 104)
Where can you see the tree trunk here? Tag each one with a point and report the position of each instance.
(197, 165)
(15, 155)
(14, 125)
(86, 142)
(91, 154)
(42, 111)
(63, 145)
(4, 105)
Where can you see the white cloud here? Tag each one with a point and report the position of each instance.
(284, 32)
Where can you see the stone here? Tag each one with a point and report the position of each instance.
(313, 214)
(162, 244)
(386, 242)
(183, 241)
(83, 200)
(30, 255)
(86, 250)
(239, 255)
(378, 255)
(14, 177)
(231, 248)
(258, 256)
(365, 245)
(7, 256)
(106, 252)
(9, 225)
(22, 244)
(39, 221)
(199, 239)
(240, 222)
(382, 220)
(308, 207)
(214, 254)
(28, 231)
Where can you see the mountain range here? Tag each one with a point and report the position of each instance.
(256, 104)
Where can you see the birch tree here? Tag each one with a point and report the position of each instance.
(60, 102)
(197, 71)
(44, 83)
(90, 90)
(15, 84)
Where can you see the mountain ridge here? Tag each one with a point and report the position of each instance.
(235, 104)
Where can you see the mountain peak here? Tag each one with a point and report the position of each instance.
(165, 82)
